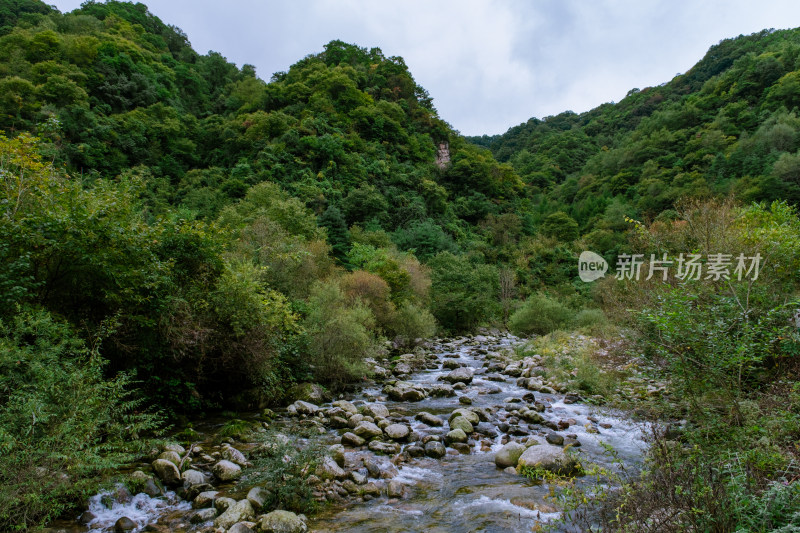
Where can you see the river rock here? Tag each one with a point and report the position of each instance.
(167, 472)
(373, 489)
(388, 448)
(401, 369)
(404, 392)
(550, 458)
(226, 470)
(223, 504)
(429, 419)
(86, 517)
(171, 456)
(367, 430)
(336, 451)
(415, 450)
(241, 527)
(338, 422)
(354, 419)
(375, 410)
(308, 392)
(346, 406)
(459, 375)
(233, 455)
(124, 524)
(204, 499)
(461, 423)
(456, 435)
(353, 440)
(305, 408)
(471, 416)
(442, 390)
(281, 522)
(462, 447)
(257, 496)
(203, 515)
(435, 449)
(192, 477)
(532, 417)
(395, 489)
(509, 455)
(174, 447)
(328, 469)
(397, 431)
(554, 438)
(239, 512)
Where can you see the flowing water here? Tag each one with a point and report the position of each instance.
(458, 493)
(466, 493)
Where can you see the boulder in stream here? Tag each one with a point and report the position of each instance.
(328, 469)
(461, 423)
(367, 430)
(375, 410)
(239, 512)
(404, 392)
(305, 408)
(397, 431)
(281, 522)
(429, 419)
(167, 472)
(469, 414)
(509, 454)
(226, 470)
(352, 440)
(456, 435)
(459, 375)
(435, 449)
(124, 524)
(550, 458)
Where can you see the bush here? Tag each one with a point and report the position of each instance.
(589, 318)
(413, 322)
(61, 422)
(463, 294)
(370, 290)
(282, 467)
(540, 315)
(340, 336)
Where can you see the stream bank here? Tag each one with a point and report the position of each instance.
(425, 449)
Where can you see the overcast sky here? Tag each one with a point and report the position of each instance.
(488, 64)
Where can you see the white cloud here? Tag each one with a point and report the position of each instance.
(488, 64)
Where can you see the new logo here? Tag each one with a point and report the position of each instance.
(591, 266)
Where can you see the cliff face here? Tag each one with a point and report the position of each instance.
(443, 155)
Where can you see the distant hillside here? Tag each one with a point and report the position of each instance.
(114, 88)
(728, 126)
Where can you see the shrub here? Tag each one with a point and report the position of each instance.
(589, 318)
(282, 468)
(61, 422)
(463, 294)
(540, 315)
(371, 290)
(561, 226)
(340, 336)
(413, 322)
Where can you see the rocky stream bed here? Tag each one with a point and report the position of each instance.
(431, 445)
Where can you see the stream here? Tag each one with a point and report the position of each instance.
(466, 493)
(463, 491)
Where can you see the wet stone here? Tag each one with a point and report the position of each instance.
(555, 438)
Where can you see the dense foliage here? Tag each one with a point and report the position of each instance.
(727, 126)
(170, 218)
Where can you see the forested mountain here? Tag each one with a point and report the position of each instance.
(727, 126)
(203, 184)
(179, 234)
